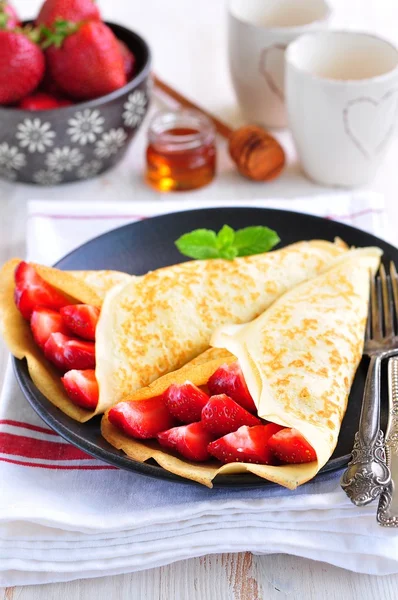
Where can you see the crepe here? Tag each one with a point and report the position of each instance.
(159, 322)
(102, 281)
(298, 358)
(86, 287)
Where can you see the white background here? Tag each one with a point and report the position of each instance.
(188, 40)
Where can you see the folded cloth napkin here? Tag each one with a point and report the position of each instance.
(65, 515)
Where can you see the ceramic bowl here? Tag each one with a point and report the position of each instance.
(73, 143)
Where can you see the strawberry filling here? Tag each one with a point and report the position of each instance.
(143, 419)
(185, 402)
(64, 332)
(82, 387)
(81, 319)
(32, 292)
(228, 379)
(222, 426)
(191, 441)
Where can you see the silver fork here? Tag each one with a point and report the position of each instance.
(367, 473)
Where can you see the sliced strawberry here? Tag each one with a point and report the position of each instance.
(44, 322)
(82, 388)
(291, 447)
(142, 419)
(68, 353)
(31, 291)
(247, 444)
(185, 402)
(228, 379)
(81, 319)
(191, 441)
(221, 415)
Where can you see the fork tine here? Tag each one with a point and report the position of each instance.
(394, 286)
(375, 302)
(368, 331)
(387, 303)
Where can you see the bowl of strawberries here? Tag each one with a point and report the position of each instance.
(74, 91)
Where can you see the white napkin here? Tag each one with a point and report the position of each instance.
(65, 515)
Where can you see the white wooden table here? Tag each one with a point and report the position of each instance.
(188, 39)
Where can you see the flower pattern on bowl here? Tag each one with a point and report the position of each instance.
(64, 159)
(72, 145)
(85, 126)
(43, 177)
(89, 169)
(34, 135)
(7, 174)
(135, 108)
(11, 158)
(110, 143)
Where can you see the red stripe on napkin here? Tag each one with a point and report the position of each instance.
(64, 467)
(21, 445)
(27, 426)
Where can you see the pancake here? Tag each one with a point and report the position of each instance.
(298, 358)
(157, 323)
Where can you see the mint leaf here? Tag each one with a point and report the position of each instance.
(225, 237)
(200, 244)
(227, 243)
(255, 240)
(228, 253)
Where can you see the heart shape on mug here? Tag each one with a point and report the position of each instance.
(272, 67)
(369, 123)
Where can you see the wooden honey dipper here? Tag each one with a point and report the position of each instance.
(256, 153)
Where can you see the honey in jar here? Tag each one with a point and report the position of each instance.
(181, 153)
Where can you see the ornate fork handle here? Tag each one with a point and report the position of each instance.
(387, 513)
(367, 473)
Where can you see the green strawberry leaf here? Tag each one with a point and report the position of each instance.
(3, 18)
(56, 35)
(255, 240)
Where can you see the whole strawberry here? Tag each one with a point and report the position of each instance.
(84, 59)
(67, 10)
(8, 16)
(22, 65)
(43, 101)
(128, 60)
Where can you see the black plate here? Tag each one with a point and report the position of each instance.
(146, 245)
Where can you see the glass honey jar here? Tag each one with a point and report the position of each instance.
(181, 152)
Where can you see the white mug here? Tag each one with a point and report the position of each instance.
(258, 33)
(342, 101)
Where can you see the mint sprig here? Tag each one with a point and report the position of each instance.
(227, 243)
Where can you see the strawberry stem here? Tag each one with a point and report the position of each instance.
(58, 33)
(4, 17)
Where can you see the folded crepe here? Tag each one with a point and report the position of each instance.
(102, 281)
(87, 287)
(157, 323)
(298, 358)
